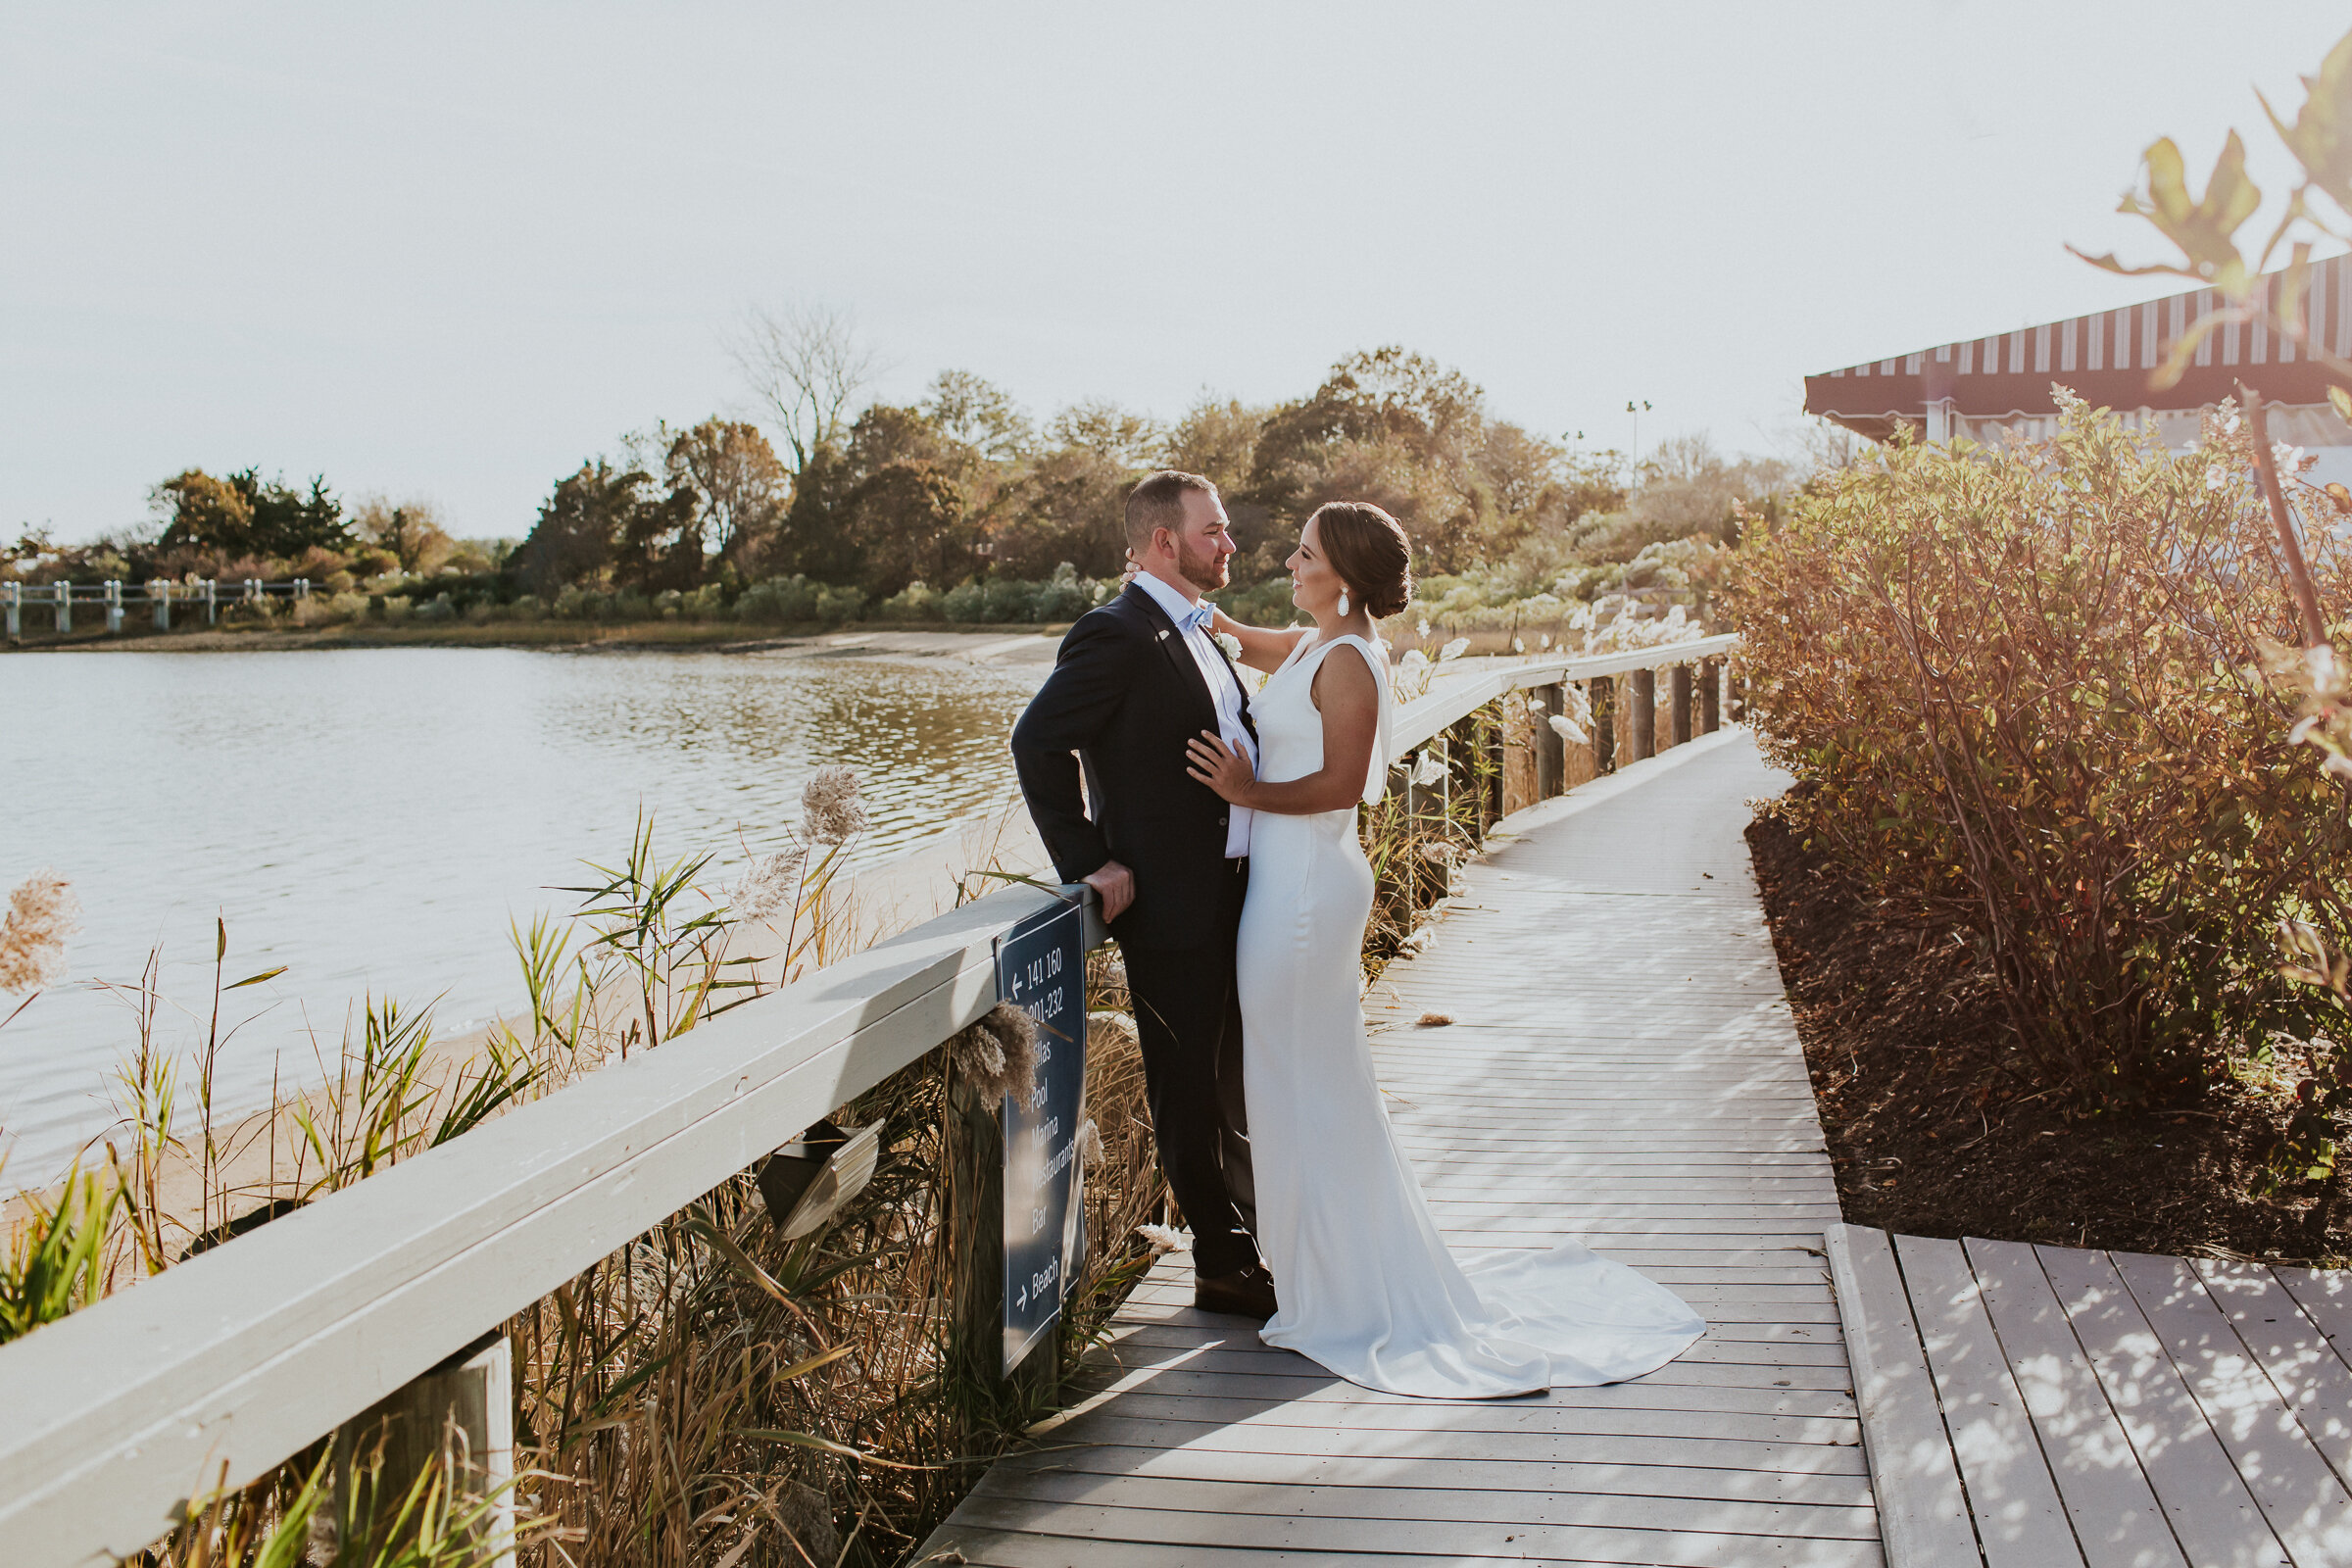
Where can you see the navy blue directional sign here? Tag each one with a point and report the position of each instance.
(1041, 967)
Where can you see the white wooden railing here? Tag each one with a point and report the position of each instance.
(225, 1365)
(1458, 695)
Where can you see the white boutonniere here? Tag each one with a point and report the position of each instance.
(1229, 642)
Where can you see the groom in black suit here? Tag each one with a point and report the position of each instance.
(1134, 681)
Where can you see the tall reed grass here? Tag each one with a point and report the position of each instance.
(711, 1391)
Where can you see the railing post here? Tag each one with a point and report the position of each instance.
(212, 601)
(302, 587)
(1604, 724)
(1551, 747)
(159, 593)
(12, 596)
(61, 596)
(1645, 713)
(1491, 811)
(1426, 881)
(1682, 704)
(1710, 697)
(1461, 772)
(114, 607)
(461, 1414)
(976, 1154)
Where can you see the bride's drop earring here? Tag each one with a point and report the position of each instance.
(1343, 603)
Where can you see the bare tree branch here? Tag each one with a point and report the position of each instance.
(806, 366)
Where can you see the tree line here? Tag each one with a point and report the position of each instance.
(961, 485)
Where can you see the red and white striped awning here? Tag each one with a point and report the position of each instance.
(2105, 358)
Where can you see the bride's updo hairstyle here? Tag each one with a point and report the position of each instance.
(1369, 551)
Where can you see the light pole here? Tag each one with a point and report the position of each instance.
(1637, 414)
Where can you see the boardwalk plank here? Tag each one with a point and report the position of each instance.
(1550, 1505)
(1700, 1426)
(2311, 1378)
(2213, 1515)
(2305, 1502)
(2326, 1297)
(2012, 1499)
(1312, 1386)
(1020, 1548)
(1558, 1543)
(1921, 1507)
(1156, 1331)
(1238, 1360)
(1745, 1462)
(1471, 1469)
(2117, 1520)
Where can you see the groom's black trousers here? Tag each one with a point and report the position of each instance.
(1188, 1012)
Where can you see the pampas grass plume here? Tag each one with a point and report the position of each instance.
(831, 809)
(999, 1053)
(767, 883)
(42, 913)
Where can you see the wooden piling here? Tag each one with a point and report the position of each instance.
(1605, 725)
(1491, 777)
(1551, 748)
(1645, 713)
(1710, 697)
(976, 1287)
(460, 1416)
(1462, 772)
(1682, 704)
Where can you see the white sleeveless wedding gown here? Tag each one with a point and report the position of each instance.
(1365, 1283)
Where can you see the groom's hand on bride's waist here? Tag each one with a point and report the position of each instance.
(1116, 884)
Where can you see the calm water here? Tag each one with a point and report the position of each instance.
(370, 818)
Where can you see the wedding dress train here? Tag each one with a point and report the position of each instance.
(1367, 1286)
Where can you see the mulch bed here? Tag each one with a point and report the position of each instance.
(1930, 1140)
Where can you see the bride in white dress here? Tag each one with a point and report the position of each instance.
(1366, 1284)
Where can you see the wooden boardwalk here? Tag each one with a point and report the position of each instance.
(1621, 1067)
(2037, 1407)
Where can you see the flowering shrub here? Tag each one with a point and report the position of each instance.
(2021, 686)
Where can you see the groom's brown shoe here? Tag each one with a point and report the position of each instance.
(1247, 1294)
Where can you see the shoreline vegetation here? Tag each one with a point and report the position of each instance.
(709, 1386)
(957, 509)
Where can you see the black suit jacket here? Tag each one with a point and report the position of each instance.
(1125, 696)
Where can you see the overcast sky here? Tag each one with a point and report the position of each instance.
(452, 251)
